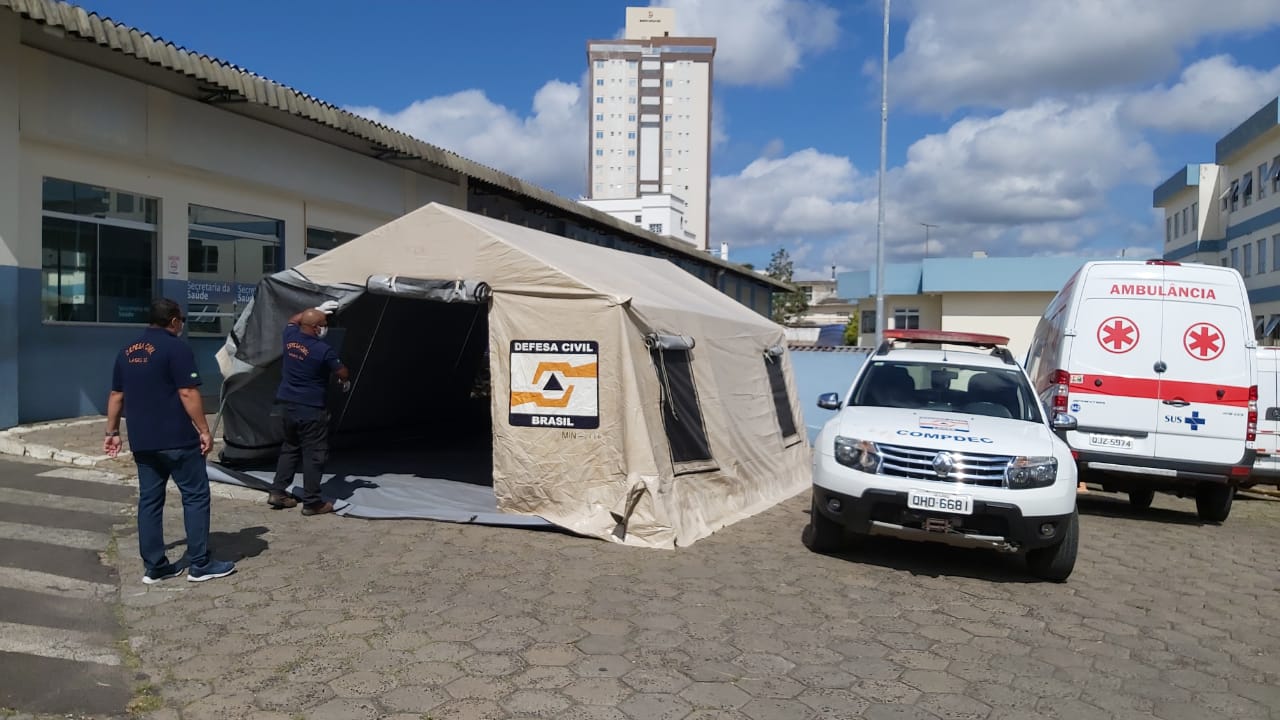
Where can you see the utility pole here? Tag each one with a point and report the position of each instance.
(926, 237)
(884, 139)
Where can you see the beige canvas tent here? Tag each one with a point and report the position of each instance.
(627, 400)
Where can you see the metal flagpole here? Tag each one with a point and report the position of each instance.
(884, 138)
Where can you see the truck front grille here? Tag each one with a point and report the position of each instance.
(917, 464)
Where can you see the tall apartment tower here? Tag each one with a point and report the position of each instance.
(650, 126)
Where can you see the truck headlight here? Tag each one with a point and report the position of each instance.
(858, 454)
(1031, 472)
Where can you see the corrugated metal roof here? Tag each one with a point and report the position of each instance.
(263, 91)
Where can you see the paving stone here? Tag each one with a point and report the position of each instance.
(597, 691)
(655, 706)
(722, 695)
(453, 621)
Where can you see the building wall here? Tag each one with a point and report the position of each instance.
(661, 214)
(9, 205)
(85, 125)
(1012, 314)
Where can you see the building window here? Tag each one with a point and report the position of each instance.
(599, 117)
(655, 227)
(1248, 189)
(1195, 216)
(631, 100)
(669, 83)
(639, 218)
(98, 253)
(599, 64)
(1262, 181)
(1168, 229)
(1275, 174)
(248, 247)
(599, 99)
(631, 153)
(1186, 213)
(320, 241)
(631, 82)
(1235, 258)
(599, 187)
(631, 135)
(868, 324)
(1262, 256)
(1275, 252)
(666, 118)
(599, 152)
(1177, 228)
(599, 134)
(631, 118)
(600, 82)
(906, 318)
(1248, 260)
(1235, 195)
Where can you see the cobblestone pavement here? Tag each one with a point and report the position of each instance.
(333, 617)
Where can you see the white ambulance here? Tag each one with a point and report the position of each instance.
(1157, 362)
(1266, 467)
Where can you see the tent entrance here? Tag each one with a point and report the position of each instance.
(414, 437)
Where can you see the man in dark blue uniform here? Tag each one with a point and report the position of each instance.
(155, 385)
(304, 378)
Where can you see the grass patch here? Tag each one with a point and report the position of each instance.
(146, 698)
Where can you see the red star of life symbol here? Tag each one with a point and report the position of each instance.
(1203, 341)
(1117, 334)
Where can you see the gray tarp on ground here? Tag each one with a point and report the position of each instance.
(666, 444)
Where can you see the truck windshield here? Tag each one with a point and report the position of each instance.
(996, 392)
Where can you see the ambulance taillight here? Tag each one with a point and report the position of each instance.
(1251, 432)
(1061, 381)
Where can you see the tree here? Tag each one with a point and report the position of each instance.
(786, 306)
(851, 330)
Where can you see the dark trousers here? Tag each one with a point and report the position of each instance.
(306, 443)
(189, 473)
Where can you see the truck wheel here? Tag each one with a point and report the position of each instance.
(1055, 563)
(822, 534)
(1141, 499)
(1213, 502)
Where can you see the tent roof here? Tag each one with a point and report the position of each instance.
(441, 242)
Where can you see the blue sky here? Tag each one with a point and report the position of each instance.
(1018, 127)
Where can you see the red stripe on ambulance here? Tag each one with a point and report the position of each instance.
(1151, 389)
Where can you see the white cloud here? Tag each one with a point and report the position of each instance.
(547, 147)
(758, 42)
(1031, 181)
(1212, 95)
(1047, 162)
(1004, 53)
(785, 199)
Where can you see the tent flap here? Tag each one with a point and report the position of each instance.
(468, 291)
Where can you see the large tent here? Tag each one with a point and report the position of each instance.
(609, 393)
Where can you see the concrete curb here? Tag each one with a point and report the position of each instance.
(12, 443)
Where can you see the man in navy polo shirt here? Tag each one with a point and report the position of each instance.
(306, 365)
(155, 385)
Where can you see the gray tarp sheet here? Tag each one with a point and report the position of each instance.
(395, 495)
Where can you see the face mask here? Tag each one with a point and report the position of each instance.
(322, 331)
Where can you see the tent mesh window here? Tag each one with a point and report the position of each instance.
(781, 401)
(681, 414)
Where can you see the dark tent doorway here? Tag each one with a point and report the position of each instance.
(413, 437)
